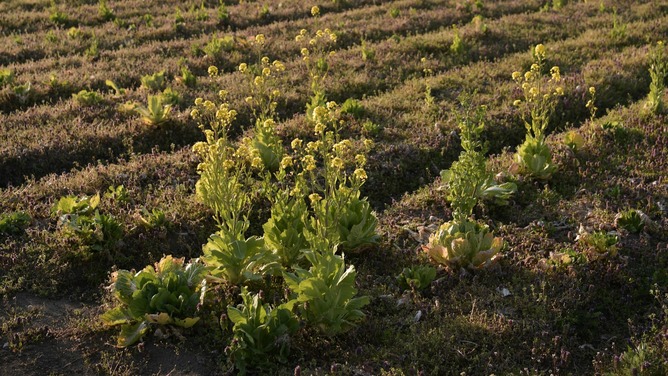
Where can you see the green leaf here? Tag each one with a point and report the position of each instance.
(130, 334)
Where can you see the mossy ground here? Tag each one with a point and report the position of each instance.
(525, 315)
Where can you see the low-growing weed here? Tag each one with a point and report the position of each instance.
(87, 98)
(658, 71)
(6, 77)
(218, 45)
(104, 12)
(598, 244)
(155, 112)
(631, 220)
(14, 223)
(416, 278)
(167, 294)
(154, 82)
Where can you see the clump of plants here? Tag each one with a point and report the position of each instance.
(658, 71)
(598, 244)
(156, 112)
(533, 157)
(166, 295)
(416, 278)
(87, 98)
(154, 82)
(81, 219)
(631, 220)
(464, 242)
(6, 77)
(14, 223)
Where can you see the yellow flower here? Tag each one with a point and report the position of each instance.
(257, 162)
(517, 102)
(198, 101)
(559, 90)
(516, 75)
(248, 99)
(269, 123)
(304, 51)
(299, 38)
(556, 75)
(368, 144)
(331, 105)
(309, 162)
(319, 127)
(243, 67)
(286, 162)
(319, 34)
(265, 60)
(360, 159)
(228, 164)
(533, 91)
(540, 50)
(259, 39)
(296, 143)
(194, 113)
(275, 93)
(314, 197)
(592, 90)
(213, 71)
(534, 67)
(259, 80)
(315, 11)
(360, 174)
(528, 76)
(278, 65)
(337, 163)
(222, 94)
(303, 32)
(266, 71)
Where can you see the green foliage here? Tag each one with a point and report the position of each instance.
(217, 45)
(598, 244)
(14, 223)
(223, 13)
(119, 194)
(458, 47)
(22, 92)
(416, 278)
(371, 129)
(574, 140)
(394, 12)
(56, 16)
(618, 32)
(325, 294)
(154, 82)
(80, 218)
(6, 77)
(468, 180)
(464, 244)
(165, 295)
(118, 92)
(261, 332)
(238, 260)
(631, 220)
(153, 219)
(356, 224)
(104, 12)
(170, 97)
(284, 231)
(93, 50)
(187, 77)
(354, 108)
(535, 158)
(658, 71)
(87, 98)
(368, 54)
(156, 113)
(267, 144)
(642, 359)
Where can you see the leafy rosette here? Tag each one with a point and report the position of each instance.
(464, 244)
(261, 332)
(284, 231)
(535, 159)
(357, 225)
(238, 260)
(325, 294)
(168, 294)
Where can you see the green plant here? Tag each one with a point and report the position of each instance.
(6, 77)
(458, 47)
(618, 32)
(631, 220)
(79, 217)
(22, 92)
(119, 193)
(574, 140)
(167, 294)
(261, 332)
(74, 33)
(201, 14)
(56, 16)
(284, 230)
(51, 37)
(170, 97)
(217, 45)
(223, 13)
(598, 244)
(325, 294)
(353, 107)
(148, 20)
(468, 180)
(118, 92)
(187, 77)
(315, 53)
(371, 129)
(104, 12)
(464, 243)
(368, 54)
(154, 82)
(14, 223)
(179, 20)
(534, 157)
(155, 218)
(238, 260)
(155, 113)
(416, 277)
(87, 98)
(658, 71)
(394, 12)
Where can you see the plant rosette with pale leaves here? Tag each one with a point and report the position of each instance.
(464, 244)
(168, 294)
(534, 158)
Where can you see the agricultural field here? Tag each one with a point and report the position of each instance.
(346, 187)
